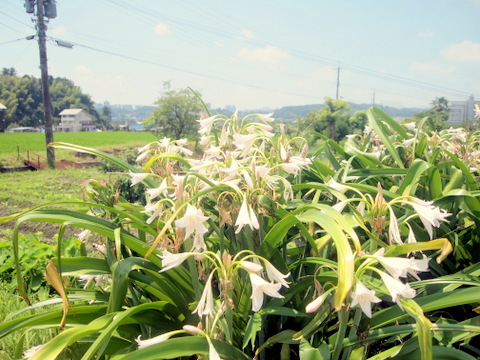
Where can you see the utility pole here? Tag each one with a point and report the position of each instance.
(44, 8)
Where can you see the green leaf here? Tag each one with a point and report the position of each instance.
(375, 117)
(344, 251)
(428, 303)
(308, 352)
(185, 346)
(412, 178)
(254, 325)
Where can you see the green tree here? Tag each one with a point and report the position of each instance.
(23, 98)
(438, 114)
(333, 120)
(177, 113)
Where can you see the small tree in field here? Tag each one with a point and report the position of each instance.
(177, 112)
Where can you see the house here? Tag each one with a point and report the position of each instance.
(73, 120)
(461, 111)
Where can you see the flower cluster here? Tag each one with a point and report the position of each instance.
(226, 268)
(243, 161)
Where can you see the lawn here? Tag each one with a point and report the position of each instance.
(12, 143)
(23, 190)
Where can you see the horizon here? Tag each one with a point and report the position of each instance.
(252, 55)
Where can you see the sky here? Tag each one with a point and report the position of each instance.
(256, 54)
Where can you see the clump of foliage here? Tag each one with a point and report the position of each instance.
(333, 121)
(264, 249)
(176, 114)
(23, 98)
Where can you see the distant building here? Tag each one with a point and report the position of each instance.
(461, 111)
(22, 129)
(74, 120)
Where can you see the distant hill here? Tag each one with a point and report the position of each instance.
(291, 113)
(122, 114)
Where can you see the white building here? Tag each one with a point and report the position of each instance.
(461, 111)
(73, 120)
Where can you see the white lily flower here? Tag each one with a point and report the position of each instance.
(315, 304)
(155, 340)
(340, 205)
(204, 140)
(364, 297)
(192, 329)
(411, 235)
(246, 216)
(248, 179)
(205, 305)
(261, 287)
(198, 242)
(165, 142)
(283, 153)
(274, 275)
(244, 142)
(192, 221)
(142, 156)
(429, 215)
(137, 177)
(408, 142)
(82, 236)
(261, 170)
(334, 184)
(155, 209)
(213, 152)
(170, 260)
(27, 354)
(212, 353)
(162, 189)
(396, 288)
(410, 125)
(393, 230)
(401, 267)
(290, 168)
(181, 149)
(144, 148)
(206, 124)
(266, 117)
(251, 266)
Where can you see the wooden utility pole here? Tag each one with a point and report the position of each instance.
(47, 106)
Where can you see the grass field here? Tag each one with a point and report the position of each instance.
(35, 142)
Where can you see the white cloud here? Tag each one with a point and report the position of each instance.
(82, 70)
(432, 68)
(427, 34)
(246, 35)
(464, 51)
(59, 30)
(161, 29)
(270, 56)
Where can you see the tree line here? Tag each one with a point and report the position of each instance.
(22, 96)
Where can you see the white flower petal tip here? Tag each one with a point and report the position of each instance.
(194, 220)
(396, 288)
(155, 340)
(205, 305)
(364, 297)
(246, 216)
(261, 287)
(315, 304)
(275, 275)
(170, 261)
(192, 329)
(137, 177)
(251, 266)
